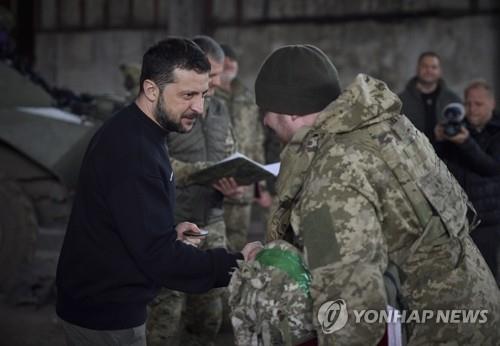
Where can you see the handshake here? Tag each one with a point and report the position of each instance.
(189, 233)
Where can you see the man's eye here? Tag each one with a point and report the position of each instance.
(188, 96)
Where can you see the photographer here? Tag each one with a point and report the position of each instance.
(472, 153)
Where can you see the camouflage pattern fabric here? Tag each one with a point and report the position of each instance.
(362, 187)
(131, 80)
(187, 319)
(247, 128)
(248, 132)
(237, 218)
(268, 306)
(163, 326)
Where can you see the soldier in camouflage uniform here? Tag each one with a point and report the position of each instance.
(359, 186)
(131, 75)
(249, 136)
(196, 319)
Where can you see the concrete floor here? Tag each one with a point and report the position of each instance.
(31, 326)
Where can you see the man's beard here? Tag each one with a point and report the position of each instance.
(427, 82)
(163, 117)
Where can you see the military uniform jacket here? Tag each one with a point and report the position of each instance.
(247, 128)
(209, 141)
(362, 187)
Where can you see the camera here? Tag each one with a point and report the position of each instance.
(453, 117)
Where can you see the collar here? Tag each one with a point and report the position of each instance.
(151, 127)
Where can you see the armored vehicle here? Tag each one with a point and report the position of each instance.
(41, 148)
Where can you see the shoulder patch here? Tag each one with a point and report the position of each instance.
(319, 238)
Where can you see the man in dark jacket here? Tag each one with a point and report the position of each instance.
(122, 243)
(426, 94)
(473, 156)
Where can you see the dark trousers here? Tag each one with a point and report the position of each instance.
(79, 336)
(488, 243)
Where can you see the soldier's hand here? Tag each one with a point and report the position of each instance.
(265, 199)
(188, 226)
(251, 250)
(229, 188)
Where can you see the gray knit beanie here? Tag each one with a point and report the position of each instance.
(296, 80)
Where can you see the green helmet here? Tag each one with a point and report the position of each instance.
(269, 298)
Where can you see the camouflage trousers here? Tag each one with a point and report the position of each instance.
(237, 218)
(176, 318)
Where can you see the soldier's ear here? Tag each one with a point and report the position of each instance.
(151, 90)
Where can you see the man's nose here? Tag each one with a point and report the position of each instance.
(198, 104)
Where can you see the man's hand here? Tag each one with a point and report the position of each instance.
(188, 226)
(264, 200)
(459, 138)
(229, 188)
(251, 250)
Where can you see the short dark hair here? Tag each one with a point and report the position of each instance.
(160, 61)
(428, 54)
(210, 47)
(229, 52)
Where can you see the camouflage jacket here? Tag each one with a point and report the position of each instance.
(244, 114)
(247, 128)
(362, 187)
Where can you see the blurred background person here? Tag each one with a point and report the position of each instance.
(426, 94)
(473, 156)
(249, 135)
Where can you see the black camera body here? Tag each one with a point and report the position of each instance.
(453, 118)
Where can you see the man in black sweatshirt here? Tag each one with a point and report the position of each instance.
(121, 244)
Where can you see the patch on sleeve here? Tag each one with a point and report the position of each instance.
(319, 238)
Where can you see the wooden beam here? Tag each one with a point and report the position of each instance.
(106, 14)
(239, 11)
(83, 14)
(388, 17)
(156, 13)
(58, 16)
(130, 13)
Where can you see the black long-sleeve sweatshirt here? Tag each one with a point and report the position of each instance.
(120, 246)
